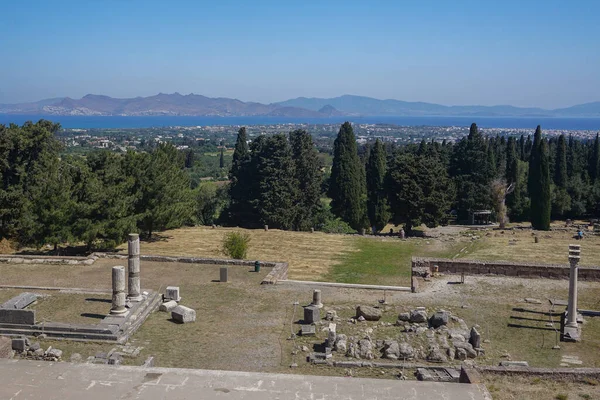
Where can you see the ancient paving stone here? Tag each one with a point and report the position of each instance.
(308, 330)
(21, 301)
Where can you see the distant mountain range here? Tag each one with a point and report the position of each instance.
(301, 107)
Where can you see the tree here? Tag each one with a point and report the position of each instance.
(347, 184)
(165, 199)
(377, 207)
(539, 183)
(276, 189)
(419, 190)
(472, 173)
(308, 179)
(189, 158)
(222, 159)
(595, 160)
(560, 171)
(240, 181)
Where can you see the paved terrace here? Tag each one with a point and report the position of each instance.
(33, 380)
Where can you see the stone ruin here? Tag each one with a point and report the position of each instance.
(128, 310)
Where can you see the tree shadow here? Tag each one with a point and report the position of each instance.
(99, 300)
(530, 327)
(549, 314)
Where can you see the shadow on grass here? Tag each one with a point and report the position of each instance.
(524, 310)
(91, 315)
(530, 319)
(530, 327)
(99, 300)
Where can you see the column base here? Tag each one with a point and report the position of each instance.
(135, 299)
(571, 334)
(320, 305)
(119, 313)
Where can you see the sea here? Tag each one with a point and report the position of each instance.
(88, 122)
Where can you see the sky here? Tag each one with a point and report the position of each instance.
(543, 53)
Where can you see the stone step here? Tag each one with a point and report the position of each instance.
(61, 327)
(58, 334)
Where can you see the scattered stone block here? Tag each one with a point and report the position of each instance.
(312, 314)
(368, 313)
(438, 319)
(115, 359)
(18, 317)
(436, 355)
(514, 364)
(418, 316)
(172, 293)
(18, 344)
(331, 335)
(21, 301)
(341, 343)
(149, 363)
(39, 353)
(464, 347)
(54, 353)
(308, 330)
(183, 314)
(391, 349)
(330, 315)
(168, 306)
(34, 346)
(475, 338)
(405, 316)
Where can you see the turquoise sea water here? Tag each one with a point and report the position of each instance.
(161, 121)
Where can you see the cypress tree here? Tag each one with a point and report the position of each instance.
(377, 207)
(533, 180)
(545, 197)
(347, 184)
(222, 159)
(595, 160)
(560, 171)
(240, 182)
(522, 148)
(308, 178)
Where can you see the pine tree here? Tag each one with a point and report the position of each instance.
(377, 207)
(308, 178)
(189, 158)
(347, 183)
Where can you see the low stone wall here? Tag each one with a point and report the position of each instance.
(421, 266)
(279, 271)
(545, 372)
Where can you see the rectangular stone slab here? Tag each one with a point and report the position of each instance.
(20, 317)
(183, 314)
(19, 302)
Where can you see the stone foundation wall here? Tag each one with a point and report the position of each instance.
(278, 273)
(425, 266)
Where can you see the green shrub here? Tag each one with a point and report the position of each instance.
(235, 245)
(336, 226)
(561, 396)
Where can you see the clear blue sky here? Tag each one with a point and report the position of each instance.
(527, 53)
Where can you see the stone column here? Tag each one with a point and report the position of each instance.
(317, 299)
(574, 256)
(118, 286)
(133, 264)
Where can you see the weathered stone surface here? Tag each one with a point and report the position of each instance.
(18, 344)
(438, 319)
(115, 359)
(405, 316)
(308, 330)
(54, 353)
(168, 306)
(514, 364)
(39, 353)
(436, 355)
(368, 313)
(460, 354)
(331, 335)
(183, 314)
(418, 316)
(75, 358)
(532, 300)
(118, 286)
(34, 346)
(391, 350)
(317, 298)
(5, 347)
(330, 315)
(172, 293)
(365, 349)
(406, 351)
(451, 352)
(312, 314)
(467, 347)
(19, 302)
(341, 343)
(19, 317)
(475, 338)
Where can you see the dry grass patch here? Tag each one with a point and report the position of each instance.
(552, 248)
(503, 387)
(310, 255)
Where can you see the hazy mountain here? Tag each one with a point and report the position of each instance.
(301, 107)
(369, 106)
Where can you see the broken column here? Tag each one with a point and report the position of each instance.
(118, 286)
(133, 264)
(223, 274)
(317, 299)
(571, 329)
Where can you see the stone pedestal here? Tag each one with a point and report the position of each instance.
(571, 331)
(118, 286)
(133, 264)
(312, 314)
(172, 293)
(223, 274)
(317, 299)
